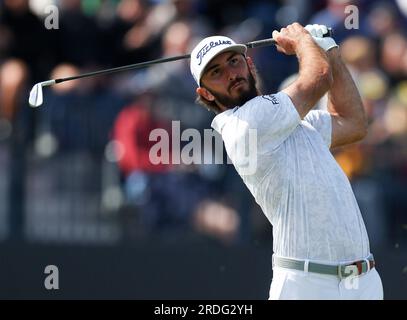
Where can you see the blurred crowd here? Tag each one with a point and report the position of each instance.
(110, 117)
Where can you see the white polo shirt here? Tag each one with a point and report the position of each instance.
(297, 182)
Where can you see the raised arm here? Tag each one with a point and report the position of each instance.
(349, 122)
(315, 77)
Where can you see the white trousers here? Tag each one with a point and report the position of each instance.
(288, 284)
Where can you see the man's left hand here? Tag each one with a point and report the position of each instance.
(317, 31)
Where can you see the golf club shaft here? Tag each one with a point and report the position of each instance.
(124, 68)
(253, 44)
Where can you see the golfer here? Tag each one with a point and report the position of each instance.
(321, 247)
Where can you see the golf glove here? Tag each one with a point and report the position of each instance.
(317, 31)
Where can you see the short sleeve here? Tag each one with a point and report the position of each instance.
(322, 122)
(274, 117)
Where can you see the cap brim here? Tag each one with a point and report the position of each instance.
(239, 48)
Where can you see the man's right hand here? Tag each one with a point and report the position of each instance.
(315, 74)
(288, 39)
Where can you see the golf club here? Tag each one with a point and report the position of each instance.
(36, 94)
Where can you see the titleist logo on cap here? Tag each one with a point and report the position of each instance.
(206, 48)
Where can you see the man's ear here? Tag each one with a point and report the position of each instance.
(203, 92)
(252, 67)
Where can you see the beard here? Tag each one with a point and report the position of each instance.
(244, 94)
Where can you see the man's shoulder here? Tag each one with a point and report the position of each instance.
(254, 111)
(272, 98)
(267, 100)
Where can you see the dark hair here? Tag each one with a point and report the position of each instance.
(209, 105)
(213, 106)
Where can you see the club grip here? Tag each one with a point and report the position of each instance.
(271, 41)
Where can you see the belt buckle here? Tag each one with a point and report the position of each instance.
(340, 272)
(357, 264)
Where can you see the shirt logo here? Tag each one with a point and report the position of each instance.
(271, 98)
(208, 47)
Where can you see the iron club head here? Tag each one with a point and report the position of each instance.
(36, 95)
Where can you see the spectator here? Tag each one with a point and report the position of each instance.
(24, 54)
(80, 40)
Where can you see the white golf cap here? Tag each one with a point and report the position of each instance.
(208, 49)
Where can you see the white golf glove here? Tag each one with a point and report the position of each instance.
(317, 31)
